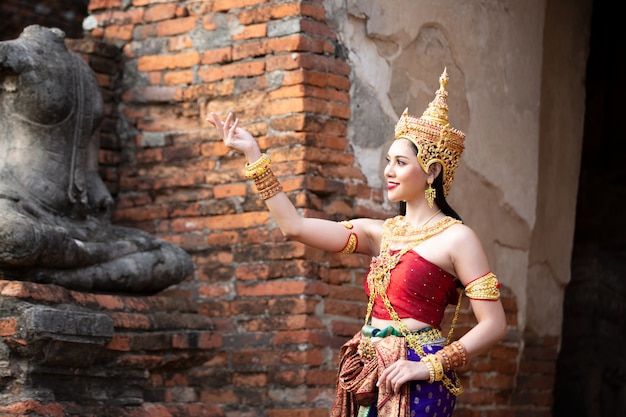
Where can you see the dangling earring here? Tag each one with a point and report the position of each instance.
(430, 194)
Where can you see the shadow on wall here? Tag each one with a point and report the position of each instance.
(591, 368)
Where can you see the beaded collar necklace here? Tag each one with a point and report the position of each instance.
(399, 229)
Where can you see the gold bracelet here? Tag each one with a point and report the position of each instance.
(431, 370)
(271, 191)
(455, 354)
(438, 369)
(258, 167)
(269, 186)
(267, 180)
(462, 351)
(445, 360)
(437, 366)
(266, 183)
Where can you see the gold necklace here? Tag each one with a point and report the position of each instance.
(431, 217)
(379, 276)
(401, 230)
(380, 266)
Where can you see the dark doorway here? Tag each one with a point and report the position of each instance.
(67, 15)
(591, 368)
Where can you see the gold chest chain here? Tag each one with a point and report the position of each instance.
(398, 229)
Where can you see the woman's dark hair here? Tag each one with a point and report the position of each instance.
(440, 198)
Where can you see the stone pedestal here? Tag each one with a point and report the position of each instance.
(65, 351)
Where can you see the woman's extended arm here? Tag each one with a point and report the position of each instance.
(319, 233)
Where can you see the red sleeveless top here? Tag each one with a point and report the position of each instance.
(418, 289)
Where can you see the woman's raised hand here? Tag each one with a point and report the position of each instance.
(235, 137)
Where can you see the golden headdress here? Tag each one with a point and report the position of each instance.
(435, 139)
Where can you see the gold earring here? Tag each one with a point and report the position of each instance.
(430, 193)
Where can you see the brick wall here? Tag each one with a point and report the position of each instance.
(281, 310)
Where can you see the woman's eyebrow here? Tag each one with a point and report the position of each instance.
(398, 157)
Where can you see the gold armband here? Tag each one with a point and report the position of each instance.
(353, 240)
(486, 287)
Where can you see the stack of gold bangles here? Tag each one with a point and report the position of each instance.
(266, 182)
(451, 356)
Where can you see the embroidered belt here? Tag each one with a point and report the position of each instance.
(370, 334)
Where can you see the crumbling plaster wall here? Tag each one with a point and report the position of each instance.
(493, 51)
(565, 55)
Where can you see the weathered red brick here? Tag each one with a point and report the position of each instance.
(178, 77)
(104, 4)
(251, 32)
(8, 326)
(160, 12)
(226, 5)
(123, 32)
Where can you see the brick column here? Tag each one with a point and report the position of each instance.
(282, 309)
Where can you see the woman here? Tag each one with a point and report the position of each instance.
(400, 364)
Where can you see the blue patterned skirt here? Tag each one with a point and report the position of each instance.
(427, 400)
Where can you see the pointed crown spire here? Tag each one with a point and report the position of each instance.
(433, 136)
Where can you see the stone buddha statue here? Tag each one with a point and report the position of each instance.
(54, 208)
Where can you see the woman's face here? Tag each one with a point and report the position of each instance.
(406, 180)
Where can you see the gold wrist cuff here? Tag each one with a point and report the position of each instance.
(431, 370)
(258, 167)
